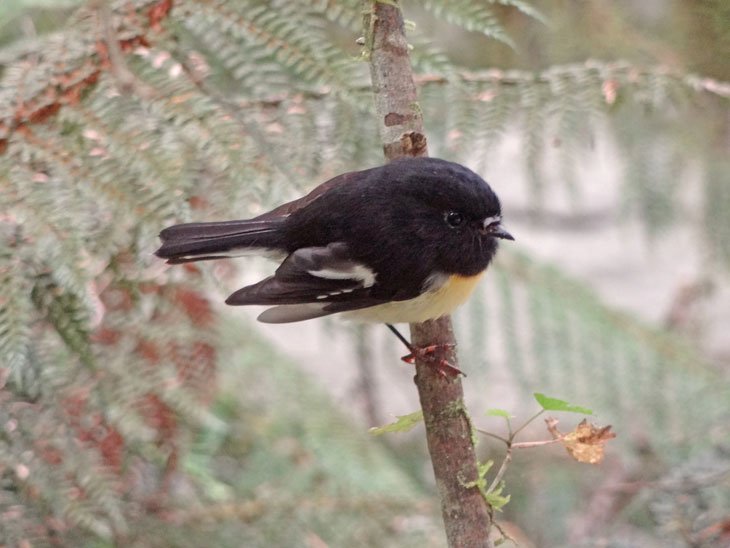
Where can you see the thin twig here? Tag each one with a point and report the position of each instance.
(511, 78)
(502, 469)
(540, 443)
(527, 422)
(510, 443)
(495, 436)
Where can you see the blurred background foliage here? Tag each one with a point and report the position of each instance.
(136, 412)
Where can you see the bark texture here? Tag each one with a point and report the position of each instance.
(448, 428)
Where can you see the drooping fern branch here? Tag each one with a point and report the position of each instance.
(472, 16)
(545, 331)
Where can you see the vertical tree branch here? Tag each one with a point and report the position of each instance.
(448, 428)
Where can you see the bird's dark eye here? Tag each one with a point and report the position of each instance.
(454, 218)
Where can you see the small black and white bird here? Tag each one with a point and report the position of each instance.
(404, 242)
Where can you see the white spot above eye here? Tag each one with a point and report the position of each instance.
(491, 220)
(355, 272)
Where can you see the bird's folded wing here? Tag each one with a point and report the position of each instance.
(312, 282)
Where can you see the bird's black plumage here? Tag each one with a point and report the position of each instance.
(363, 239)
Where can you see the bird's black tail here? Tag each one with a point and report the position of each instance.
(201, 241)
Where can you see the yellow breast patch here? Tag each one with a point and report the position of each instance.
(430, 305)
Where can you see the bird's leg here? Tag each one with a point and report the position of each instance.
(432, 354)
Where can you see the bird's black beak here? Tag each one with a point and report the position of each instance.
(496, 230)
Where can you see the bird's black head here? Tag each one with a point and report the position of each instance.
(450, 211)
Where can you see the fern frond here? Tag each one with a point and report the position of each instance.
(472, 16)
(67, 315)
(573, 345)
(16, 313)
(293, 41)
(532, 99)
(346, 13)
(428, 58)
(525, 7)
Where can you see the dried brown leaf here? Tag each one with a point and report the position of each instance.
(586, 443)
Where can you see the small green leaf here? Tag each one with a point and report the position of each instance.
(496, 499)
(403, 424)
(554, 404)
(484, 467)
(498, 413)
